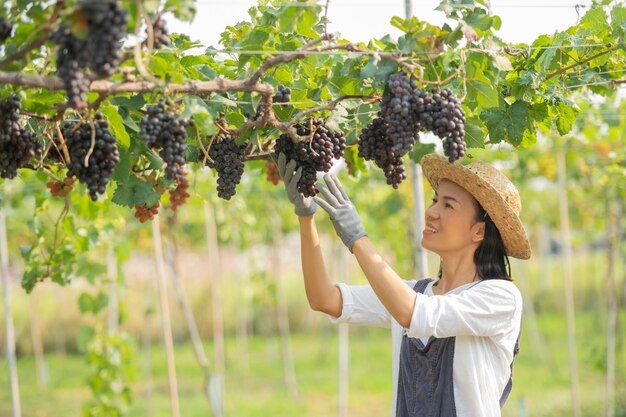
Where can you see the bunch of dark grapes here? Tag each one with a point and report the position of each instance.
(6, 28)
(374, 146)
(163, 130)
(70, 68)
(160, 33)
(283, 95)
(81, 140)
(447, 120)
(227, 159)
(397, 111)
(106, 22)
(99, 51)
(313, 155)
(404, 112)
(17, 145)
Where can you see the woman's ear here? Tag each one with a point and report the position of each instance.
(478, 232)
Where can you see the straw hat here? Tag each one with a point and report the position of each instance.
(495, 193)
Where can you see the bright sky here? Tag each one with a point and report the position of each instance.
(361, 20)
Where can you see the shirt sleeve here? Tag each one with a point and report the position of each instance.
(362, 306)
(486, 309)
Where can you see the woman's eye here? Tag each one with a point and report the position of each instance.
(448, 205)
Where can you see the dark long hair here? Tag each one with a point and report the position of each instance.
(490, 257)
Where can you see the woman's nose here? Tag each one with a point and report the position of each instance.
(431, 213)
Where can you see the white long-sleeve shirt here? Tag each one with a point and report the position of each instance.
(485, 317)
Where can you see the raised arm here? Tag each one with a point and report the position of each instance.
(392, 291)
(321, 293)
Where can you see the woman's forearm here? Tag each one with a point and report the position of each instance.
(397, 297)
(321, 293)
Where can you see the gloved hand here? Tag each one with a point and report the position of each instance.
(305, 206)
(342, 212)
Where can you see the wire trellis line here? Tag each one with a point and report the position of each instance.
(396, 53)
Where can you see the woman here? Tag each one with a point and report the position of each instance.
(454, 338)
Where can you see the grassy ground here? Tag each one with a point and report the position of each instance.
(541, 378)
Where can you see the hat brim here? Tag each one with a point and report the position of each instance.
(437, 168)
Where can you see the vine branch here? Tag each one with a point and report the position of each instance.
(582, 62)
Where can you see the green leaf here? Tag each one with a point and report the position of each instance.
(184, 10)
(421, 149)
(595, 20)
(506, 124)
(565, 119)
(116, 124)
(475, 133)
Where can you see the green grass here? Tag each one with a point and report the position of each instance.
(541, 379)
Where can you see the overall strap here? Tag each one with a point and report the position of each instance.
(420, 286)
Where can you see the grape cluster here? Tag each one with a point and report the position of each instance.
(61, 188)
(6, 28)
(441, 113)
(144, 212)
(99, 51)
(405, 111)
(179, 195)
(81, 139)
(227, 159)
(160, 33)
(283, 95)
(313, 155)
(272, 174)
(374, 146)
(163, 130)
(17, 145)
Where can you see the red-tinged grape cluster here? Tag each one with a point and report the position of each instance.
(61, 188)
(164, 131)
(405, 111)
(273, 175)
(81, 140)
(313, 155)
(6, 28)
(99, 51)
(227, 159)
(17, 145)
(146, 213)
(283, 95)
(160, 34)
(179, 195)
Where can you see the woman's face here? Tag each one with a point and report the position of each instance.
(451, 225)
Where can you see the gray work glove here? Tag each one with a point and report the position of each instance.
(342, 212)
(305, 206)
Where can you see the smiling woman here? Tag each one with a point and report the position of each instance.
(454, 338)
